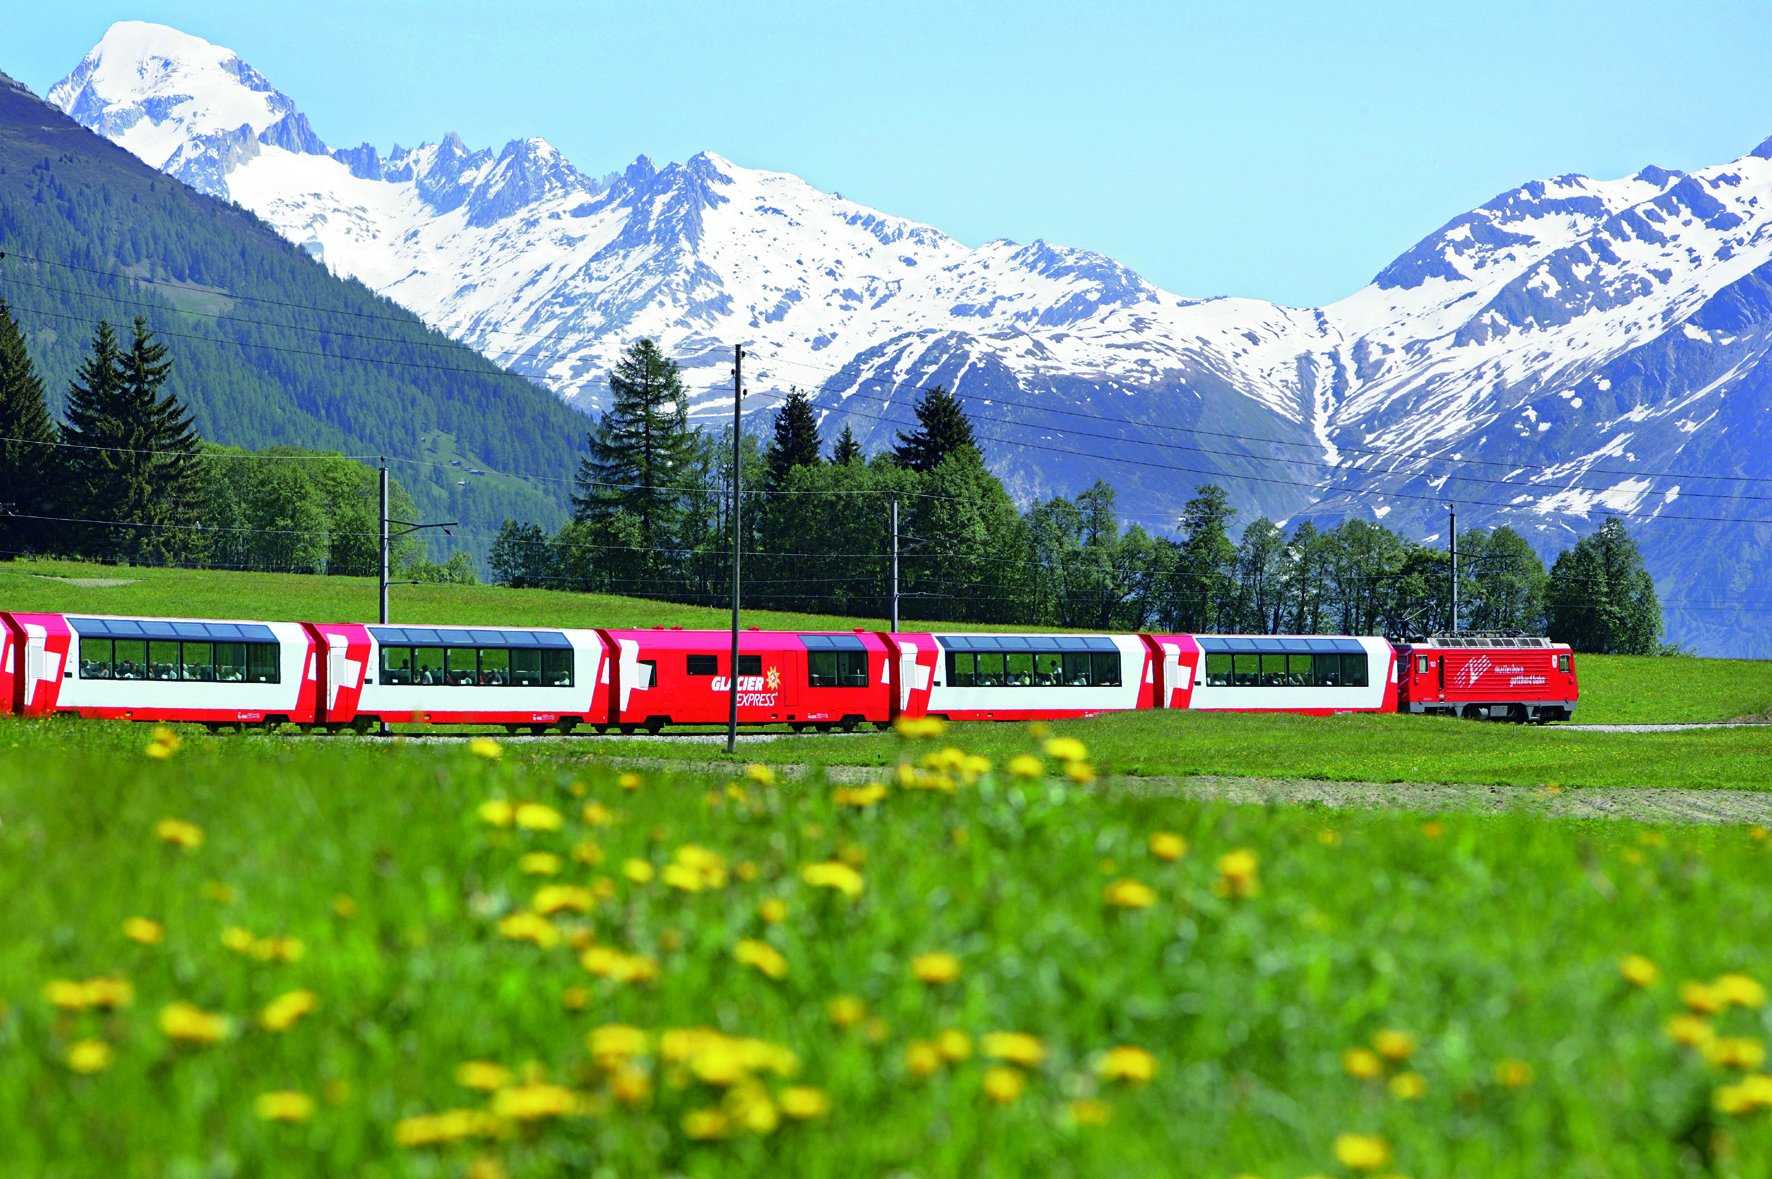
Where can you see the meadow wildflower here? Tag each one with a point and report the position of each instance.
(922, 1058)
(561, 898)
(630, 1084)
(761, 774)
(1361, 1152)
(1026, 766)
(1690, 1031)
(954, 1045)
(1749, 1094)
(637, 870)
(1066, 749)
(751, 1109)
(89, 1056)
(762, 957)
(1016, 1047)
(804, 1103)
(1362, 1063)
(1394, 1045)
(1433, 828)
(936, 968)
(1638, 971)
(485, 1076)
(1408, 1086)
(1237, 874)
(630, 781)
(1127, 1063)
(283, 1012)
(611, 963)
(284, 1105)
(497, 812)
(615, 1042)
(595, 814)
(163, 743)
(189, 1024)
(1513, 1073)
(533, 1102)
(537, 816)
(1080, 772)
(1129, 894)
(1740, 990)
(920, 727)
(773, 910)
(104, 993)
(486, 748)
(1701, 998)
(846, 1010)
(1740, 1052)
(144, 930)
(695, 869)
(449, 1126)
(1086, 1111)
(529, 927)
(180, 834)
(833, 874)
(1003, 1085)
(1166, 845)
(859, 797)
(343, 907)
(539, 863)
(704, 1124)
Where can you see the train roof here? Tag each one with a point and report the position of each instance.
(1487, 642)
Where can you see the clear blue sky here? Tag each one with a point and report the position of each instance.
(1285, 150)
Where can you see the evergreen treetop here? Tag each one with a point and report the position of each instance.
(942, 429)
(27, 435)
(796, 442)
(639, 450)
(847, 450)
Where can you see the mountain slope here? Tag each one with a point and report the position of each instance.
(269, 365)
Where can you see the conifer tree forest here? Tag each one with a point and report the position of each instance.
(125, 477)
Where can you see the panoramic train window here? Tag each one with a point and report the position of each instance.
(703, 665)
(481, 667)
(427, 666)
(525, 668)
(556, 668)
(1283, 662)
(1218, 671)
(495, 667)
(262, 664)
(1048, 669)
(962, 670)
(196, 661)
(396, 665)
(95, 659)
(1030, 662)
(192, 661)
(132, 659)
(230, 663)
(837, 669)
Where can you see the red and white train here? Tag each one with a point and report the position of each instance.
(355, 675)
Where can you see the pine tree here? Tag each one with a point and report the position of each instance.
(638, 454)
(28, 458)
(171, 473)
(99, 436)
(848, 449)
(1601, 597)
(796, 442)
(1203, 590)
(942, 429)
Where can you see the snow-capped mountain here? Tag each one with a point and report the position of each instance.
(1539, 359)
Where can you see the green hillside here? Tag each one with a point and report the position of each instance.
(268, 347)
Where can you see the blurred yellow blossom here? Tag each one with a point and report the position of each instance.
(704, 1124)
(1237, 874)
(450, 1126)
(1026, 766)
(1408, 1086)
(1361, 1152)
(936, 967)
(638, 871)
(487, 1076)
(846, 1010)
(144, 930)
(1127, 1063)
(1741, 1052)
(539, 863)
(833, 874)
(954, 1045)
(536, 816)
(1087, 1111)
(1017, 1047)
(486, 747)
(529, 927)
(1080, 772)
(1691, 1031)
(1638, 971)
(1393, 1044)
(630, 1084)
(189, 1024)
(587, 851)
(497, 812)
(761, 774)
(89, 1056)
(1701, 998)
(1740, 989)
(918, 727)
(774, 910)
(860, 797)
(1066, 749)
(1129, 894)
(105, 993)
(1166, 845)
(629, 781)
(1513, 1073)
(180, 834)
(220, 893)
(922, 1058)
(761, 956)
(532, 1102)
(1362, 1063)
(284, 1105)
(804, 1103)
(1003, 1085)
(559, 898)
(595, 814)
(281, 1013)
(343, 907)
(615, 1042)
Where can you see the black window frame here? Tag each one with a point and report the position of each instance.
(701, 666)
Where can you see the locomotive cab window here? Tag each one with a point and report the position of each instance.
(1562, 663)
(1421, 665)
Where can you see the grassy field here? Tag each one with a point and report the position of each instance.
(1615, 689)
(1240, 976)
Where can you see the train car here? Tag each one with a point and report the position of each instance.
(1022, 676)
(1317, 675)
(1489, 677)
(8, 662)
(812, 679)
(164, 669)
(520, 678)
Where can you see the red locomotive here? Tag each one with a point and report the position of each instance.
(1492, 677)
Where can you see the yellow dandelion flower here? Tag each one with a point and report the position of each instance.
(343, 907)
(1361, 1152)
(1129, 894)
(922, 1059)
(1080, 772)
(614, 1042)
(529, 927)
(189, 1024)
(1086, 1111)
(1701, 998)
(834, 874)
(89, 1056)
(936, 968)
(638, 871)
(486, 1076)
(846, 1010)
(859, 797)
(920, 727)
(704, 1125)
(1758, 833)
(1127, 1063)
(1638, 971)
(533, 1102)
(1362, 1063)
(1408, 1086)
(595, 814)
(762, 775)
(284, 1105)
(450, 1126)
(66, 994)
(762, 957)
(1067, 749)
(1513, 1073)
(108, 993)
(180, 834)
(144, 930)
(804, 1103)
(486, 748)
(561, 898)
(1690, 1031)
(774, 910)
(283, 1012)
(1394, 1045)
(1238, 874)
(751, 1109)
(630, 1084)
(1026, 767)
(1003, 1085)
(1433, 828)
(536, 816)
(575, 998)
(1016, 1047)
(1740, 989)
(497, 812)
(630, 781)
(954, 1045)
(539, 863)
(1166, 845)
(1742, 1052)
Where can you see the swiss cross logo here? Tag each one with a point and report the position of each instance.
(1473, 671)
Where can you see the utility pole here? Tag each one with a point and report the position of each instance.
(1452, 532)
(384, 540)
(737, 534)
(895, 564)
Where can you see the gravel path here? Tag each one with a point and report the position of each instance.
(1673, 728)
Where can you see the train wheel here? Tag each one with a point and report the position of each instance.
(655, 725)
(850, 724)
(629, 730)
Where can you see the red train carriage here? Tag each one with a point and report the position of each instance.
(681, 677)
(163, 669)
(1317, 675)
(1022, 676)
(1489, 677)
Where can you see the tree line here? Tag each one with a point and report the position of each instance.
(651, 510)
(125, 477)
